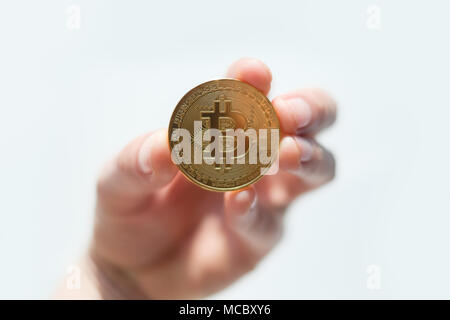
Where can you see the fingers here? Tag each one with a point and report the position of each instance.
(252, 71)
(257, 229)
(141, 167)
(304, 164)
(306, 159)
(305, 111)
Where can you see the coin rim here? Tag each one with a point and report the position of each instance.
(196, 182)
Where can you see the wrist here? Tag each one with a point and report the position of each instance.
(96, 279)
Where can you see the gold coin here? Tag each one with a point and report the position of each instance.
(223, 105)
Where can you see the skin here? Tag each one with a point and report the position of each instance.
(159, 236)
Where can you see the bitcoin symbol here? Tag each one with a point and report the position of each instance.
(223, 118)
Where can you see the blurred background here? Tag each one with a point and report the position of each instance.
(78, 79)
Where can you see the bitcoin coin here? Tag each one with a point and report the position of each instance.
(224, 135)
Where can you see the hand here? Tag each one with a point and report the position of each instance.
(157, 235)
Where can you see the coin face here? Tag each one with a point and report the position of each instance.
(216, 131)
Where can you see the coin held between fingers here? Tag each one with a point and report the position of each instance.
(224, 135)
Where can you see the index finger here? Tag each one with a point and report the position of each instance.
(251, 71)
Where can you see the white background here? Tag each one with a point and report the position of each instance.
(69, 99)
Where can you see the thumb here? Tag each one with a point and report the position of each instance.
(142, 167)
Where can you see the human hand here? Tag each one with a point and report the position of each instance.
(157, 235)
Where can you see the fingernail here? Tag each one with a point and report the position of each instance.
(243, 196)
(253, 205)
(144, 157)
(302, 110)
(306, 149)
(247, 218)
